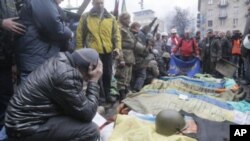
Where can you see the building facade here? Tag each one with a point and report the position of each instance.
(144, 17)
(222, 15)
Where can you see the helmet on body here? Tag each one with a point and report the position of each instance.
(169, 122)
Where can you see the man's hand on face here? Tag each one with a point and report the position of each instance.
(10, 25)
(95, 74)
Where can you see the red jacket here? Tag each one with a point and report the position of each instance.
(187, 47)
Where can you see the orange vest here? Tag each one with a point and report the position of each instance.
(236, 50)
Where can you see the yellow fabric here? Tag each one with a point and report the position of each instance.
(98, 34)
(148, 103)
(129, 128)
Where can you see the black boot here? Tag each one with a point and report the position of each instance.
(122, 95)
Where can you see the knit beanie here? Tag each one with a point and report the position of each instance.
(84, 57)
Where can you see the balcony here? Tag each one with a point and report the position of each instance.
(222, 16)
(223, 3)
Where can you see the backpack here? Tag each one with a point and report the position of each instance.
(236, 50)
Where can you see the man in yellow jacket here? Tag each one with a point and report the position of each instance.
(99, 30)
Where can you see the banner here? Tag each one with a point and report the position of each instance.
(180, 67)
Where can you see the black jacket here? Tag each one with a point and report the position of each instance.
(45, 35)
(226, 47)
(54, 89)
(7, 10)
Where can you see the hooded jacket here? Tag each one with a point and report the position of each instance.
(53, 89)
(45, 33)
(101, 34)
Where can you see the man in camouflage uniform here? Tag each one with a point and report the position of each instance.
(142, 59)
(152, 72)
(211, 53)
(124, 67)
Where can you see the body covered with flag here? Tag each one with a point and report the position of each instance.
(180, 67)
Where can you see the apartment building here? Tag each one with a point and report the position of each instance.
(222, 15)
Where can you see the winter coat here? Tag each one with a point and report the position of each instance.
(53, 89)
(246, 52)
(143, 37)
(211, 48)
(128, 46)
(7, 10)
(45, 34)
(173, 42)
(159, 45)
(187, 48)
(103, 35)
(226, 47)
(142, 57)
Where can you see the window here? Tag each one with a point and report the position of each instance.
(223, 13)
(210, 1)
(222, 22)
(236, 10)
(210, 23)
(223, 2)
(210, 13)
(235, 22)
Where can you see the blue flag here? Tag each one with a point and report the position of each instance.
(180, 67)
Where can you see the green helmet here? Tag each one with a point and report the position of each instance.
(166, 55)
(169, 122)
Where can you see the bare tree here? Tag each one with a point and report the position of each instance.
(181, 20)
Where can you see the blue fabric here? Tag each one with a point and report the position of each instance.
(3, 136)
(218, 103)
(201, 83)
(229, 83)
(242, 106)
(188, 68)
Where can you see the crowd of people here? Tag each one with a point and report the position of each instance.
(50, 74)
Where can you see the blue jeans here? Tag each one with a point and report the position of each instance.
(139, 77)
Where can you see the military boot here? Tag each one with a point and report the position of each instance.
(122, 95)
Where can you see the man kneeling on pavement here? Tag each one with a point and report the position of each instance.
(52, 106)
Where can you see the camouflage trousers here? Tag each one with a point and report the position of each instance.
(123, 76)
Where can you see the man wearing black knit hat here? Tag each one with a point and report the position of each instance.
(51, 105)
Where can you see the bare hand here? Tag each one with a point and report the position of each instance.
(122, 109)
(122, 64)
(95, 74)
(116, 52)
(10, 25)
